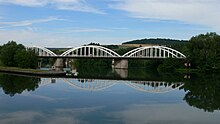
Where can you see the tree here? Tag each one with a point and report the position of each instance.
(13, 54)
(8, 51)
(204, 52)
(26, 59)
(169, 64)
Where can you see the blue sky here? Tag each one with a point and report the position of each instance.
(71, 23)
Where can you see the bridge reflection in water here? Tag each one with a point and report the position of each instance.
(98, 85)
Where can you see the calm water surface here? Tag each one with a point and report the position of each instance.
(127, 99)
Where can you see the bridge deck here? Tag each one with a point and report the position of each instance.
(105, 57)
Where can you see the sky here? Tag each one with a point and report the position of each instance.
(71, 23)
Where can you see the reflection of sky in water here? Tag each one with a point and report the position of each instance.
(60, 103)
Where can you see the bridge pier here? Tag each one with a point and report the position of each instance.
(67, 63)
(123, 73)
(58, 65)
(120, 64)
(39, 63)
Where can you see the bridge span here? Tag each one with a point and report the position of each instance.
(119, 61)
(91, 51)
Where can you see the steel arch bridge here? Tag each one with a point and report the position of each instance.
(91, 51)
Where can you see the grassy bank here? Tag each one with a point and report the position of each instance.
(29, 71)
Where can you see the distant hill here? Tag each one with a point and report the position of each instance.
(157, 41)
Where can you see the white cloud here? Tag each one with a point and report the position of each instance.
(76, 5)
(62, 38)
(73, 5)
(164, 114)
(29, 38)
(30, 3)
(199, 12)
(58, 116)
(18, 117)
(80, 30)
(28, 22)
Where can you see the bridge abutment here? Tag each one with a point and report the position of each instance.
(120, 63)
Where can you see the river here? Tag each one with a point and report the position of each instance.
(108, 96)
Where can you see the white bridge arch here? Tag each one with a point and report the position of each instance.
(90, 51)
(154, 52)
(42, 51)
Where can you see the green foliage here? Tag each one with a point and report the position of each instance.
(152, 64)
(93, 68)
(92, 63)
(181, 47)
(123, 50)
(169, 64)
(96, 44)
(47, 62)
(204, 52)
(157, 41)
(58, 51)
(119, 49)
(15, 55)
(26, 59)
(94, 72)
(148, 64)
(113, 47)
(8, 51)
(136, 64)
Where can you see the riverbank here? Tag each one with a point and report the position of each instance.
(36, 72)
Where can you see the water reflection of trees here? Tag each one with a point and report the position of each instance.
(87, 71)
(203, 92)
(12, 84)
(143, 74)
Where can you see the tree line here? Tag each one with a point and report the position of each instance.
(157, 41)
(16, 55)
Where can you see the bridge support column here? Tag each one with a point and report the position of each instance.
(123, 73)
(58, 65)
(68, 63)
(39, 63)
(120, 63)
